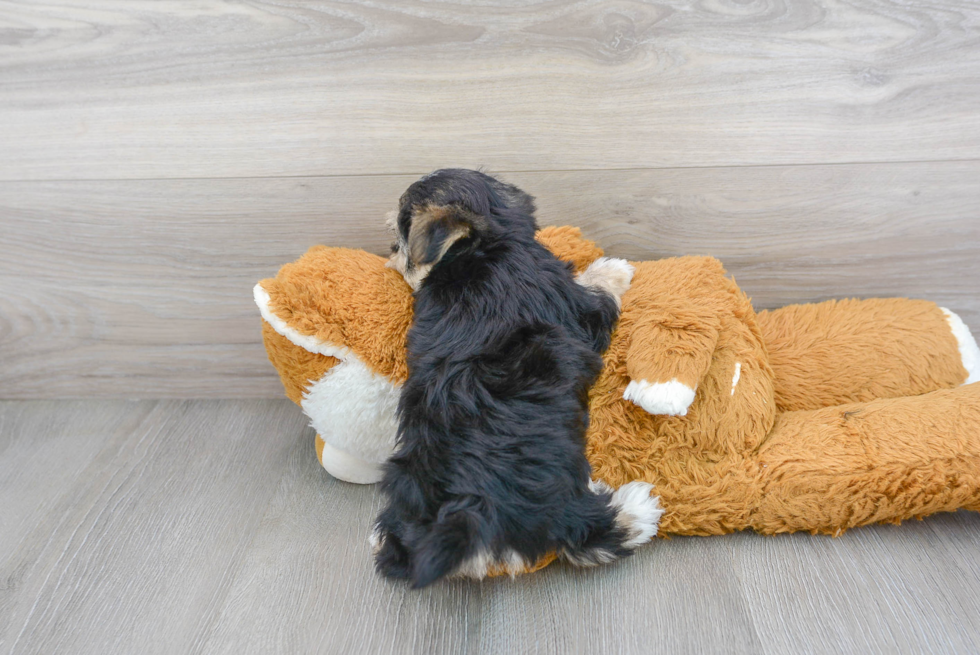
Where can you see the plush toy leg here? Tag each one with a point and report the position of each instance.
(847, 351)
(346, 466)
(351, 407)
(832, 469)
(353, 410)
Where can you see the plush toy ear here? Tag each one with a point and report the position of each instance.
(436, 228)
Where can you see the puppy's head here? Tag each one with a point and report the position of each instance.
(426, 236)
(450, 210)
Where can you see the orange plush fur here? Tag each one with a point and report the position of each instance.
(811, 417)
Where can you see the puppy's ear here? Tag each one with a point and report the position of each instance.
(434, 230)
(514, 197)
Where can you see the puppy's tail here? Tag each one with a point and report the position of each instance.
(610, 524)
(447, 544)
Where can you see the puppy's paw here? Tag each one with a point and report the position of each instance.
(376, 538)
(390, 556)
(600, 487)
(637, 512)
(613, 276)
(660, 398)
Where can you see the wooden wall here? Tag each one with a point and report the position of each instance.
(158, 158)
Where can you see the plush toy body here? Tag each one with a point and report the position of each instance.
(811, 417)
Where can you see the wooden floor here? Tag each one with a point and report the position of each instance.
(209, 527)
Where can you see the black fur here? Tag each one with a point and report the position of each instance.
(492, 418)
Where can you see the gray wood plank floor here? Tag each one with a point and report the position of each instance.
(209, 527)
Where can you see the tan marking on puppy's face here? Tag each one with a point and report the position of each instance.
(432, 231)
(397, 260)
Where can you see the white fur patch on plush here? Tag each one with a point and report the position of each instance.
(969, 351)
(738, 374)
(637, 512)
(660, 398)
(608, 274)
(353, 409)
(304, 341)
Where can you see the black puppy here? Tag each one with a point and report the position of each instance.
(490, 468)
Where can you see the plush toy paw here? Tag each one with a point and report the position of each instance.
(969, 351)
(607, 274)
(660, 398)
(346, 466)
(353, 411)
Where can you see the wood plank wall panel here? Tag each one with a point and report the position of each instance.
(174, 89)
(143, 287)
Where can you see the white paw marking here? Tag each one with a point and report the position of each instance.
(660, 398)
(637, 512)
(608, 274)
(376, 539)
(593, 557)
(969, 352)
(477, 566)
(600, 487)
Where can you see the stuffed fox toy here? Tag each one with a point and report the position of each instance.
(815, 417)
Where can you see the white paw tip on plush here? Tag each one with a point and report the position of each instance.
(969, 351)
(637, 512)
(609, 274)
(660, 398)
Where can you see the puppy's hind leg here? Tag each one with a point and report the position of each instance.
(391, 558)
(605, 525)
(605, 280)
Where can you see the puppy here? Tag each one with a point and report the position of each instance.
(489, 469)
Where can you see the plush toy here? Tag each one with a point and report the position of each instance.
(815, 417)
